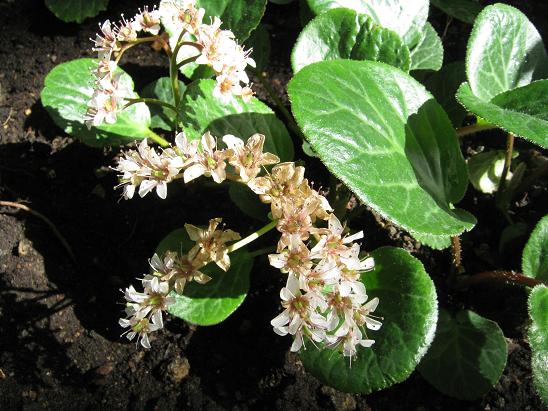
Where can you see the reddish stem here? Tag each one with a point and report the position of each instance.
(509, 276)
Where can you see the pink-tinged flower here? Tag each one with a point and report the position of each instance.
(105, 69)
(300, 316)
(294, 260)
(148, 170)
(183, 14)
(296, 221)
(126, 30)
(106, 43)
(362, 315)
(248, 158)
(106, 101)
(349, 339)
(351, 260)
(211, 243)
(325, 273)
(185, 148)
(178, 270)
(283, 183)
(334, 243)
(148, 21)
(210, 162)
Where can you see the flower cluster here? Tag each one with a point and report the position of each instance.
(210, 44)
(171, 273)
(217, 48)
(324, 299)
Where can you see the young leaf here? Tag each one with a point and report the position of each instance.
(202, 112)
(428, 54)
(467, 357)
(504, 51)
(443, 84)
(408, 305)
(213, 302)
(76, 10)
(66, 93)
(259, 42)
(534, 261)
(463, 10)
(345, 34)
(522, 111)
(538, 339)
(407, 18)
(240, 16)
(162, 117)
(485, 170)
(381, 133)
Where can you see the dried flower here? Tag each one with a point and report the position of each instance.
(248, 158)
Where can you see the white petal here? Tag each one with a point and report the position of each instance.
(281, 319)
(372, 324)
(161, 190)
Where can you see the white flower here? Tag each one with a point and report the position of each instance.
(148, 21)
(126, 30)
(334, 243)
(210, 162)
(106, 43)
(300, 316)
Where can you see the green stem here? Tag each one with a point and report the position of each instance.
(147, 100)
(186, 61)
(290, 120)
(473, 128)
(158, 139)
(174, 76)
(252, 237)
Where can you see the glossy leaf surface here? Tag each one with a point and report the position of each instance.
(380, 132)
(408, 305)
(345, 34)
(67, 91)
(202, 111)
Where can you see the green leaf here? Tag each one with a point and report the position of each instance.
(428, 53)
(66, 93)
(213, 302)
(538, 339)
(467, 357)
(259, 41)
(240, 16)
(463, 10)
(345, 34)
(381, 133)
(162, 117)
(504, 51)
(535, 254)
(443, 84)
(521, 111)
(247, 201)
(408, 305)
(202, 112)
(407, 18)
(76, 10)
(485, 170)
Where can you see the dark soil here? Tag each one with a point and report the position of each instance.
(60, 345)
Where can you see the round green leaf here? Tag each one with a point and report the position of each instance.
(247, 201)
(259, 42)
(463, 10)
(66, 93)
(443, 84)
(538, 339)
(203, 112)
(428, 53)
(504, 51)
(76, 10)
(213, 302)
(408, 305)
(407, 18)
(467, 357)
(535, 254)
(240, 16)
(522, 111)
(381, 133)
(162, 117)
(343, 33)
